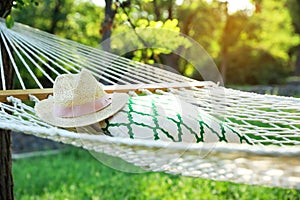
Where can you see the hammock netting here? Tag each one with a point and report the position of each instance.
(236, 136)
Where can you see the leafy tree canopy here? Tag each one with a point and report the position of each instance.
(256, 43)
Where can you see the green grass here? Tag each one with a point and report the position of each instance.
(75, 174)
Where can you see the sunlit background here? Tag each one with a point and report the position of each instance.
(233, 5)
(252, 42)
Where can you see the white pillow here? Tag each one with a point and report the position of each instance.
(168, 118)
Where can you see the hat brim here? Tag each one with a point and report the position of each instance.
(44, 110)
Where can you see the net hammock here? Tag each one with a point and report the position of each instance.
(265, 128)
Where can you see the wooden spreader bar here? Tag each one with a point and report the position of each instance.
(44, 93)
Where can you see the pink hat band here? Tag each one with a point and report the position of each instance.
(83, 109)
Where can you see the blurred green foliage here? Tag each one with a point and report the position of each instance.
(76, 20)
(9, 21)
(256, 44)
(23, 3)
(294, 8)
(143, 35)
(254, 66)
(151, 39)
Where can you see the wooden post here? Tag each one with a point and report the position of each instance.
(6, 179)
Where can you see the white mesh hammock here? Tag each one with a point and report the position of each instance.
(266, 152)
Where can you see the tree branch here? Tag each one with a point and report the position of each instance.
(132, 25)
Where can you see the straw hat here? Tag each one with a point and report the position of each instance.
(79, 100)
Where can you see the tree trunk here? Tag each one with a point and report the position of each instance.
(156, 10)
(172, 60)
(224, 63)
(5, 7)
(55, 16)
(170, 9)
(294, 8)
(225, 43)
(107, 24)
(297, 64)
(6, 180)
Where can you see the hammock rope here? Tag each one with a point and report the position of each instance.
(271, 123)
(66, 54)
(270, 165)
(252, 113)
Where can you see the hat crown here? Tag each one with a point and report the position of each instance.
(76, 89)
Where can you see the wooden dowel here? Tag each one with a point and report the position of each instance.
(24, 94)
(44, 93)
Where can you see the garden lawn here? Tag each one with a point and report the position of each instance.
(76, 174)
